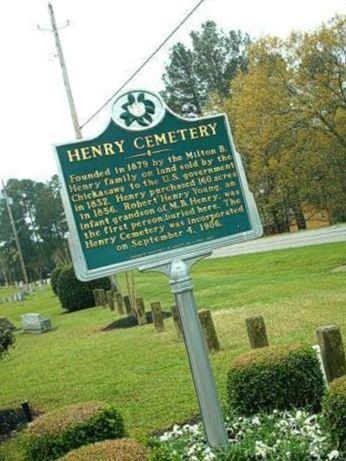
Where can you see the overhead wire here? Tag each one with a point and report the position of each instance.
(146, 61)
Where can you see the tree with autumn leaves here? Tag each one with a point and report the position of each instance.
(287, 108)
(288, 114)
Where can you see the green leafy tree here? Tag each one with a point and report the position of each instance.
(194, 74)
(40, 223)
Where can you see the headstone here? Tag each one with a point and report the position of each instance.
(110, 299)
(96, 295)
(35, 323)
(332, 350)
(209, 330)
(177, 322)
(103, 299)
(128, 307)
(120, 303)
(140, 311)
(157, 316)
(256, 331)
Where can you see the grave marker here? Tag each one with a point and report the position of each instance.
(157, 316)
(209, 330)
(110, 299)
(256, 331)
(120, 303)
(35, 323)
(128, 307)
(332, 350)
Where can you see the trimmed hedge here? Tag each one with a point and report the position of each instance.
(54, 279)
(279, 377)
(334, 411)
(54, 434)
(74, 294)
(111, 450)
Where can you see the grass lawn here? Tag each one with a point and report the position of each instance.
(146, 373)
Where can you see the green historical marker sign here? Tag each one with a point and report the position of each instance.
(151, 187)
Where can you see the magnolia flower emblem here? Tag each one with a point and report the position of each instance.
(138, 109)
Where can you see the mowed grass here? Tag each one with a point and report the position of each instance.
(146, 374)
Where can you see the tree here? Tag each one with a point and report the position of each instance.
(267, 133)
(288, 115)
(40, 223)
(318, 60)
(192, 75)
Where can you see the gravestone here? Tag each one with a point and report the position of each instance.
(177, 322)
(110, 299)
(120, 303)
(209, 331)
(332, 350)
(35, 323)
(157, 316)
(96, 295)
(128, 307)
(140, 312)
(256, 331)
(103, 299)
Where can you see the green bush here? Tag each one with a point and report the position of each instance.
(7, 338)
(74, 294)
(280, 377)
(54, 279)
(111, 450)
(334, 411)
(54, 434)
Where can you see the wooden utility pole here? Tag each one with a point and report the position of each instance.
(65, 76)
(14, 230)
(66, 79)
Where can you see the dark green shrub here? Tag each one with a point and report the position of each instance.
(278, 377)
(7, 338)
(54, 279)
(74, 294)
(111, 450)
(54, 434)
(334, 411)
(10, 420)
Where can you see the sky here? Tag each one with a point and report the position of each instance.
(105, 42)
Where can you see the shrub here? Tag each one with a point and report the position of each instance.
(54, 279)
(74, 294)
(10, 420)
(111, 450)
(334, 411)
(279, 377)
(7, 338)
(54, 434)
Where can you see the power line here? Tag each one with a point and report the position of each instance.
(136, 72)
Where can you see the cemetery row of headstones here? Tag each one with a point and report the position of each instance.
(24, 291)
(329, 349)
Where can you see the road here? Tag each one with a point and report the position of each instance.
(336, 233)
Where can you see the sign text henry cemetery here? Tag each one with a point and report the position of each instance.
(153, 186)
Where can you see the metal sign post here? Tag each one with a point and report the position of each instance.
(178, 272)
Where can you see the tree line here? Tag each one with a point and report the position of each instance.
(41, 227)
(286, 101)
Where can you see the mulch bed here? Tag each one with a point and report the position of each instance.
(130, 322)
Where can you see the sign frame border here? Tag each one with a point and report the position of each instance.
(79, 261)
